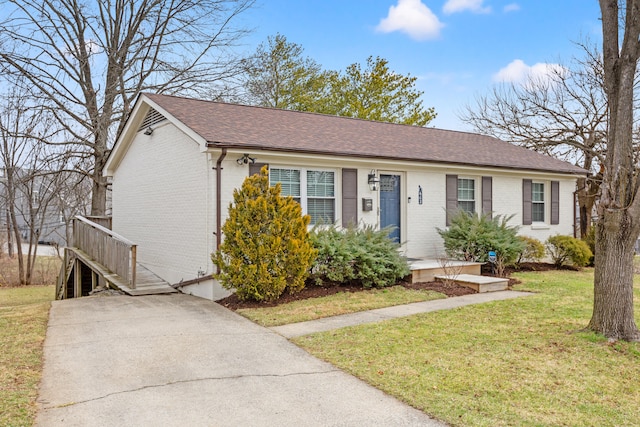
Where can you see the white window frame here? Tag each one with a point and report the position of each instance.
(475, 193)
(304, 198)
(543, 202)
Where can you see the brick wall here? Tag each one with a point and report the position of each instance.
(164, 200)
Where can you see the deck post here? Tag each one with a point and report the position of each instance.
(77, 279)
(132, 280)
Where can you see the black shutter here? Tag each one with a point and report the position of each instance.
(555, 202)
(349, 197)
(254, 168)
(487, 195)
(452, 196)
(526, 202)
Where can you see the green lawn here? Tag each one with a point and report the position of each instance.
(24, 312)
(334, 305)
(521, 362)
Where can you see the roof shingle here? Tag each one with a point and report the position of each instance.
(240, 126)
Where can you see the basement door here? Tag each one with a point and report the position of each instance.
(390, 204)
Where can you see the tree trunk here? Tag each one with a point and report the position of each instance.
(18, 242)
(9, 237)
(613, 291)
(619, 207)
(99, 189)
(99, 196)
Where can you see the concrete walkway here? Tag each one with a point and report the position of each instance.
(177, 360)
(329, 323)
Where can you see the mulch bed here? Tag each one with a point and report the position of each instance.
(311, 291)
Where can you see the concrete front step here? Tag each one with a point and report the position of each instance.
(426, 270)
(478, 283)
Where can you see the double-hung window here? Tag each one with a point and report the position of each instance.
(289, 180)
(313, 189)
(467, 194)
(537, 202)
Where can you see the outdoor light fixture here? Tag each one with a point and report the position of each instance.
(245, 159)
(148, 131)
(373, 180)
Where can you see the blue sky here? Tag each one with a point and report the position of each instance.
(458, 49)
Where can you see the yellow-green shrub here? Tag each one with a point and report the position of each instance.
(567, 249)
(533, 249)
(266, 248)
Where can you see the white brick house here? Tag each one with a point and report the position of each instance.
(176, 164)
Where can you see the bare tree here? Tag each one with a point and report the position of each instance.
(69, 201)
(88, 60)
(618, 223)
(563, 115)
(30, 181)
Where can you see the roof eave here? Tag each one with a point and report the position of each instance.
(216, 144)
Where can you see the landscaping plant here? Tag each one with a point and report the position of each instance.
(362, 255)
(266, 248)
(566, 249)
(470, 237)
(533, 250)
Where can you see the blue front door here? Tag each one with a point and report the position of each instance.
(390, 204)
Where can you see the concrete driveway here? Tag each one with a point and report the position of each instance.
(178, 360)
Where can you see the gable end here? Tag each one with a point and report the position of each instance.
(152, 118)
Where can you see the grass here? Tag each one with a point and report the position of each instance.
(334, 305)
(24, 312)
(521, 362)
(45, 271)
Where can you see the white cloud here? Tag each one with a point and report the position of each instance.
(455, 6)
(413, 18)
(511, 7)
(519, 72)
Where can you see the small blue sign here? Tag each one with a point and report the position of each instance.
(492, 256)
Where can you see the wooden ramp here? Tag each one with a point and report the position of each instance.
(82, 274)
(147, 283)
(99, 257)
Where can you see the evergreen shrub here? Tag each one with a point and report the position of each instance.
(470, 237)
(363, 255)
(266, 248)
(568, 249)
(533, 250)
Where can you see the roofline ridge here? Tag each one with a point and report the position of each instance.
(314, 113)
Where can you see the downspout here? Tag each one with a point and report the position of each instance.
(218, 168)
(575, 219)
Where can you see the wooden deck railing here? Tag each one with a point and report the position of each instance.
(104, 221)
(106, 247)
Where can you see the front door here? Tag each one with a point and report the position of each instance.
(390, 204)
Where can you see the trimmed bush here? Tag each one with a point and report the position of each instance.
(567, 249)
(533, 250)
(365, 255)
(266, 248)
(470, 237)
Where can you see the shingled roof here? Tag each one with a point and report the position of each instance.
(257, 128)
